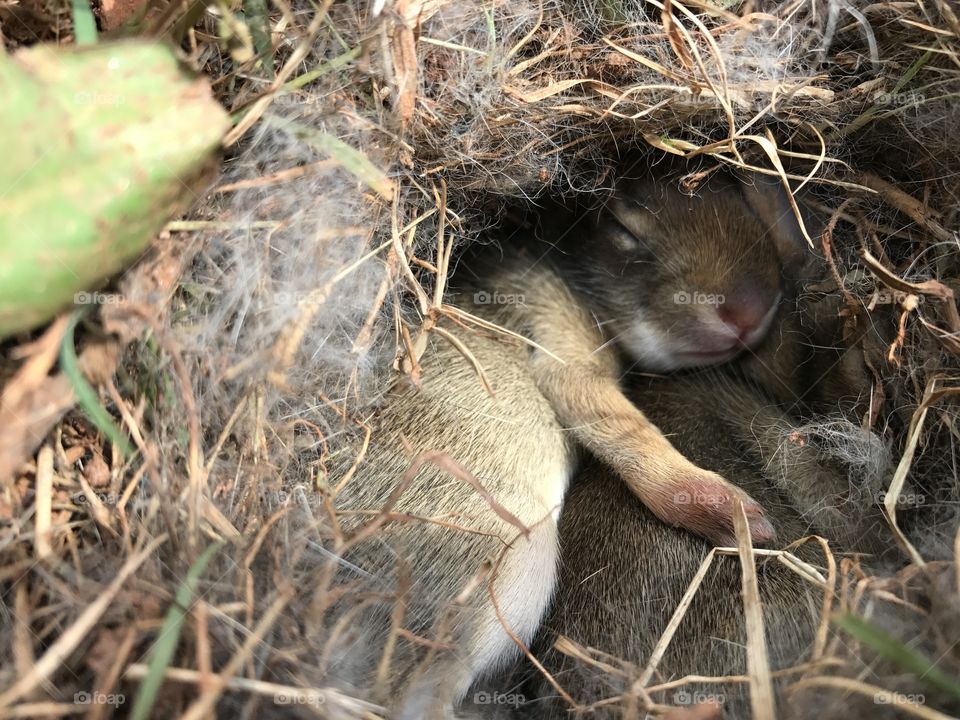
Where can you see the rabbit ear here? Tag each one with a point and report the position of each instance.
(768, 199)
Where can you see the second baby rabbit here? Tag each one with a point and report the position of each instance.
(623, 573)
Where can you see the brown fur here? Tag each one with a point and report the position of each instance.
(432, 569)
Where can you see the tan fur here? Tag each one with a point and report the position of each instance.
(585, 394)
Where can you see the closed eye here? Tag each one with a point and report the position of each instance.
(628, 242)
(622, 236)
(629, 248)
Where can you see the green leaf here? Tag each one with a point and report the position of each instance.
(112, 140)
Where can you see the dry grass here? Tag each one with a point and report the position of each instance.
(369, 148)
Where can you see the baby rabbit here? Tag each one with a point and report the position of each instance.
(461, 563)
(623, 573)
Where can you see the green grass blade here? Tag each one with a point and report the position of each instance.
(169, 636)
(84, 24)
(349, 158)
(87, 397)
(912, 71)
(896, 652)
(861, 120)
(319, 72)
(258, 20)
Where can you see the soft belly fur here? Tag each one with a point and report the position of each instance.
(442, 563)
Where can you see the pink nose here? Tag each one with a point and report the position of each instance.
(744, 310)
